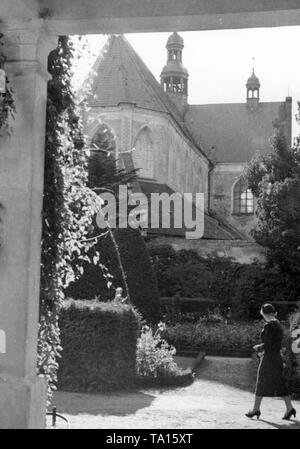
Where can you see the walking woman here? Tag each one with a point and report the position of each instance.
(270, 377)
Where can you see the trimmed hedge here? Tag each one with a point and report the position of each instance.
(99, 346)
(243, 287)
(136, 261)
(219, 336)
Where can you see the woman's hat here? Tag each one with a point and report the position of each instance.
(268, 309)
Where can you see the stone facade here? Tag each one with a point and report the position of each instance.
(158, 147)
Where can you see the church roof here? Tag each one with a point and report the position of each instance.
(231, 132)
(213, 229)
(122, 76)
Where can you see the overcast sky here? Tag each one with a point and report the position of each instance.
(219, 62)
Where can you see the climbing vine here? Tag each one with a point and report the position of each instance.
(7, 103)
(69, 205)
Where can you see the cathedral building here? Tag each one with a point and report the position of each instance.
(179, 147)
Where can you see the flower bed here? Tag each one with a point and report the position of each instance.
(103, 350)
(218, 336)
(156, 366)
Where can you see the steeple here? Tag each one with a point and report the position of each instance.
(253, 86)
(174, 76)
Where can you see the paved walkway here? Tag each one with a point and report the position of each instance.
(218, 399)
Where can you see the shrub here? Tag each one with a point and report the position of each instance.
(99, 346)
(155, 357)
(243, 287)
(219, 336)
(141, 281)
(190, 275)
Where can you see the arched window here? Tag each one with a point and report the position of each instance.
(104, 139)
(102, 163)
(143, 153)
(243, 200)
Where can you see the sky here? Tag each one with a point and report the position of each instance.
(220, 62)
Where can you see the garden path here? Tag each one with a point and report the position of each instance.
(218, 399)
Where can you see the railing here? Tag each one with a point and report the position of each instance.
(177, 304)
(186, 299)
(56, 415)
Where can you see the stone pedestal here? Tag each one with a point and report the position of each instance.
(22, 393)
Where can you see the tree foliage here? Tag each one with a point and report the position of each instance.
(102, 166)
(140, 279)
(243, 287)
(73, 177)
(275, 180)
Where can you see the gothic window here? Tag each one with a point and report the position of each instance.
(104, 140)
(143, 154)
(102, 156)
(243, 200)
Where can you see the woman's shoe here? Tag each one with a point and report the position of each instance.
(289, 414)
(252, 414)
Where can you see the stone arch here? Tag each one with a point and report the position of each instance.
(143, 153)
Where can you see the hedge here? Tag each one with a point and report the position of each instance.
(99, 346)
(136, 261)
(243, 287)
(218, 336)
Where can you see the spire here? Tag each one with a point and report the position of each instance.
(253, 86)
(174, 76)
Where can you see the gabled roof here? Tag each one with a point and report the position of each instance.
(233, 133)
(121, 76)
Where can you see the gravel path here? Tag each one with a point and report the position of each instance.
(218, 399)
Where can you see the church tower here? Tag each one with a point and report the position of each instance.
(253, 86)
(174, 76)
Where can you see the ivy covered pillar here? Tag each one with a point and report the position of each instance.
(22, 393)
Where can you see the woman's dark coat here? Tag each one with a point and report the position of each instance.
(270, 377)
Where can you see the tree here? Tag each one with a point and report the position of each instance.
(275, 180)
(124, 259)
(102, 165)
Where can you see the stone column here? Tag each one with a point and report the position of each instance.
(22, 393)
